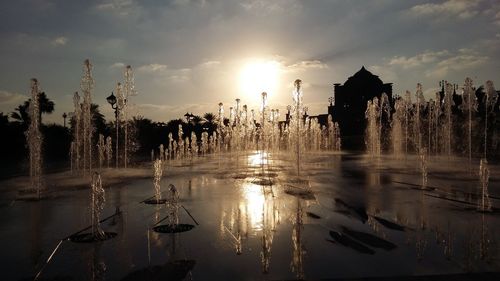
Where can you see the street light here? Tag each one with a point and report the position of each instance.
(112, 101)
(64, 117)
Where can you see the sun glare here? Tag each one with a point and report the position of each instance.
(259, 76)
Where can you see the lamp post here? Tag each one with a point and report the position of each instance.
(112, 101)
(64, 117)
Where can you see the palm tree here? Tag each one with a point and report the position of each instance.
(46, 106)
(209, 117)
(22, 113)
(195, 120)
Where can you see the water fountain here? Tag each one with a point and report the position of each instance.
(417, 122)
(491, 99)
(436, 117)
(408, 108)
(372, 137)
(77, 133)
(448, 124)
(194, 144)
(180, 142)
(172, 206)
(170, 147)
(162, 152)
(128, 91)
(97, 200)
(468, 107)
(157, 174)
(87, 85)
(397, 128)
(34, 140)
(109, 150)
(385, 110)
(101, 149)
(296, 121)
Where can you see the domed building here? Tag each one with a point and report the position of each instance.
(349, 105)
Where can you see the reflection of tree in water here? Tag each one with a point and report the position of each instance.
(298, 251)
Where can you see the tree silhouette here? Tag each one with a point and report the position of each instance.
(46, 107)
(209, 117)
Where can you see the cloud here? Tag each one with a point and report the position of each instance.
(121, 8)
(9, 98)
(210, 64)
(175, 111)
(461, 9)
(308, 64)
(152, 68)
(265, 8)
(117, 65)
(60, 41)
(180, 75)
(417, 60)
(200, 3)
(385, 73)
(465, 59)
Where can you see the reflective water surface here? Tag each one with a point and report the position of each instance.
(360, 217)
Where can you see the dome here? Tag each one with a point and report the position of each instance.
(363, 77)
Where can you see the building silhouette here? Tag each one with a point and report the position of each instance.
(349, 102)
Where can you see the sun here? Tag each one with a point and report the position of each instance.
(259, 76)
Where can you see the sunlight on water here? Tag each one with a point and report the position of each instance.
(253, 203)
(257, 159)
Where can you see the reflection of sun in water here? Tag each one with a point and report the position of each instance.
(254, 201)
(257, 159)
(259, 76)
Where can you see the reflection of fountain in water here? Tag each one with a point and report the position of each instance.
(34, 139)
(97, 266)
(97, 204)
(270, 218)
(297, 264)
(484, 204)
(484, 241)
(423, 166)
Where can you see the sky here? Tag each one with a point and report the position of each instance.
(189, 55)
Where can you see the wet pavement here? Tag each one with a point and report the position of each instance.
(346, 216)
